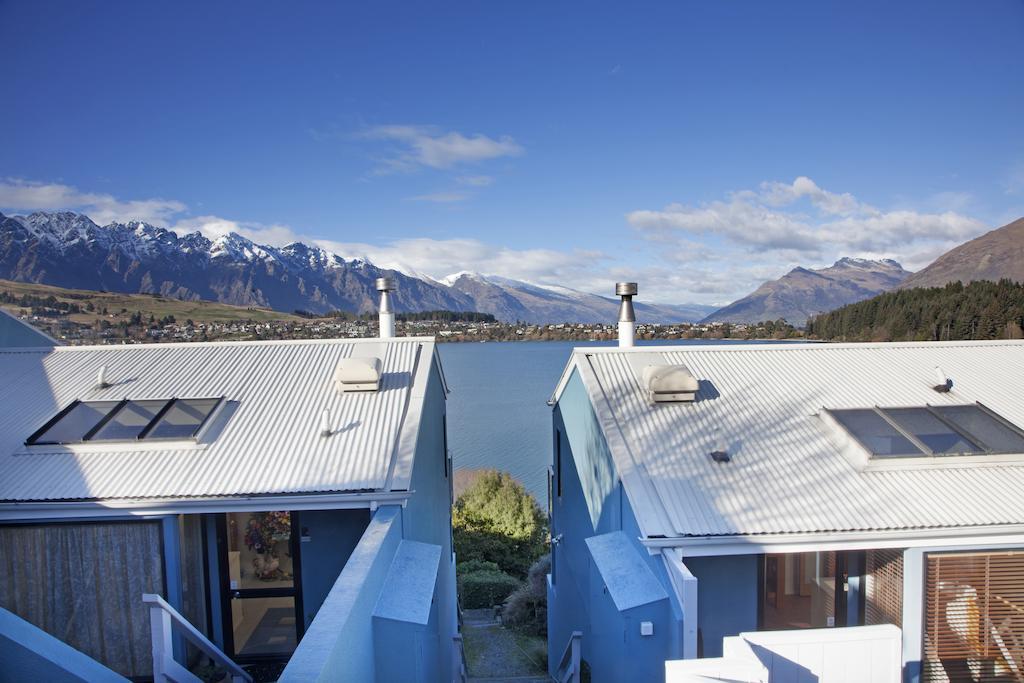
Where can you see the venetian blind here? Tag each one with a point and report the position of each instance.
(974, 617)
(884, 587)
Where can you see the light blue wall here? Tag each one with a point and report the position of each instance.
(428, 514)
(332, 536)
(726, 598)
(339, 644)
(406, 617)
(593, 502)
(27, 653)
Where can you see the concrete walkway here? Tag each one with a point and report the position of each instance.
(493, 653)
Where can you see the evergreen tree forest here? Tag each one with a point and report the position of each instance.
(979, 310)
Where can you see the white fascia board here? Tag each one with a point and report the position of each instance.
(403, 456)
(440, 369)
(563, 380)
(706, 546)
(10, 512)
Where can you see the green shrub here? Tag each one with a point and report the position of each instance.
(485, 588)
(496, 520)
(526, 609)
(476, 566)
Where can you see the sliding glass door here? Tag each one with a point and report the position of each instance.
(261, 584)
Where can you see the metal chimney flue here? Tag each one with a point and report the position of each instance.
(627, 318)
(386, 285)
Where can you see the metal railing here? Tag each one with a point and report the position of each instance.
(460, 674)
(568, 670)
(162, 620)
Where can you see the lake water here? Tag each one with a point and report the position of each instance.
(498, 415)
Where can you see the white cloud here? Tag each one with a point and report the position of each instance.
(428, 146)
(782, 194)
(769, 225)
(212, 227)
(438, 258)
(17, 194)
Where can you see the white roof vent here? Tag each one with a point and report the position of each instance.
(669, 383)
(357, 374)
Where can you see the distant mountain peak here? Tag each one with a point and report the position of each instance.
(803, 292)
(450, 280)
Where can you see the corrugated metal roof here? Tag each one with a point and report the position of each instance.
(270, 445)
(786, 475)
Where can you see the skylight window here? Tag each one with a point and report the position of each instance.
(930, 431)
(127, 420)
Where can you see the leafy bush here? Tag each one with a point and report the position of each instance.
(476, 566)
(485, 588)
(526, 609)
(496, 520)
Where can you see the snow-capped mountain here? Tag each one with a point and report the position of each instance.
(69, 250)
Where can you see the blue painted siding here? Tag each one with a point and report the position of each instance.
(593, 502)
(726, 598)
(332, 536)
(428, 515)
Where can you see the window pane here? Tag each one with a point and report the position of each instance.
(183, 419)
(259, 550)
(932, 431)
(77, 423)
(877, 435)
(264, 626)
(981, 425)
(129, 421)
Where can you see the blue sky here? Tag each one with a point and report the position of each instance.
(699, 147)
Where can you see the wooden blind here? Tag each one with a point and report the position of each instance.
(884, 587)
(974, 617)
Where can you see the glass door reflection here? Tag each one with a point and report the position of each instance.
(263, 596)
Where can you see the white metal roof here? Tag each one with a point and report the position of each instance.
(785, 475)
(271, 444)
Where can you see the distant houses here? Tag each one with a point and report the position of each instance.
(789, 512)
(288, 502)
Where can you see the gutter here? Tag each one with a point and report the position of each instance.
(699, 546)
(11, 512)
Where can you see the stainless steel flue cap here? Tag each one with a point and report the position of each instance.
(625, 289)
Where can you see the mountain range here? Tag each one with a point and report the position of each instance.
(995, 255)
(803, 292)
(68, 249)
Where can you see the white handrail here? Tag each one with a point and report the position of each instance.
(569, 666)
(162, 619)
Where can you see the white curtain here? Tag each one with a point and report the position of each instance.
(83, 583)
